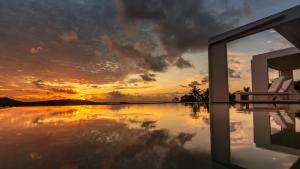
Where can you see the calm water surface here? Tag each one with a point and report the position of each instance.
(158, 136)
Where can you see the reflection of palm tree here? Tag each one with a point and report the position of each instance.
(195, 107)
(196, 110)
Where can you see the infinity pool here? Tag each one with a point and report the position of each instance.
(156, 136)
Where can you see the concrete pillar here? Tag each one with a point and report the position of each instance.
(260, 74)
(262, 127)
(220, 133)
(218, 73)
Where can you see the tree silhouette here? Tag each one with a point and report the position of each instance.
(246, 89)
(195, 90)
(195, 94)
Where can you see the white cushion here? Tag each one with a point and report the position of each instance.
(286, 85)
(276, 84)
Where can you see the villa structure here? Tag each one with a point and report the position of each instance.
(286, 23)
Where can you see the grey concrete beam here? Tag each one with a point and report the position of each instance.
(270, 22)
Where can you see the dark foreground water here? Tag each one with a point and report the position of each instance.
(162, 136)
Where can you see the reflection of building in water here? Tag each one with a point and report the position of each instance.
(286, 140)
(220, 137)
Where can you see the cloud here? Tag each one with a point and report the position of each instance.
(105, 50)
(134, 80)
(42, 85)
(234, 68)
(183, 25)
(235, 61)
(35, 50)
(144, 36)
(136, 87)
(118, 96)
(204, 80)
(69, 36)
(38, 48)
(183, 86)
(140, 61)
(181, 63)
(39, 83)
(148, 77)
(234, 74)
(66, 91)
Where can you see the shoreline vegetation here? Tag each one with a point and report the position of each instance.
(195, 95)
(8, 102)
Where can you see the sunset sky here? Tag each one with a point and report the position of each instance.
(124, 50)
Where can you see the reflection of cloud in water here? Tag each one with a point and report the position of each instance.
(236, 132)
(132, 115)
(148, 124)
(135, 136)
(100, 144)
(39, 119)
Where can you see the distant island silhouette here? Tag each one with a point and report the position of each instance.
(8, 102)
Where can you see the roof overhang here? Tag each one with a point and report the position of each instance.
(284, 60)
(287, 23)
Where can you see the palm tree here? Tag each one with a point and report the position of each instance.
(195, 90)
(195, 94)
(246, 89)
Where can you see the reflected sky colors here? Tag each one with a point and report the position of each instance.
(104, 137)
(163, 136)
(246, 152)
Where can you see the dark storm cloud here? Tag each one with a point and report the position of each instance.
(138, 60)
(184, 25)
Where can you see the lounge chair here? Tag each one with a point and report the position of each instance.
(287, 118)
(278, 119)
(282, 119)
(280, 88)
